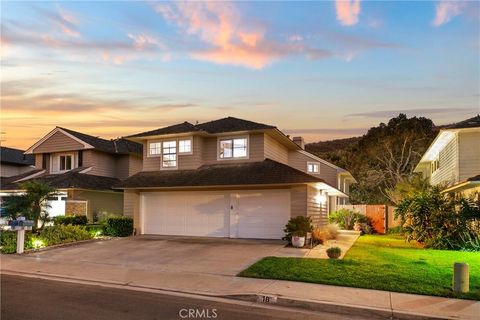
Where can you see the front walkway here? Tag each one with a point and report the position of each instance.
(135, 275)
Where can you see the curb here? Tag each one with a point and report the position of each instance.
(336, 308)
(265, 300)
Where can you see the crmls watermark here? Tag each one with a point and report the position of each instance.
(194, 313)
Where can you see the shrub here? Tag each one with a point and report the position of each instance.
(119, 226)
(297, 226)
(95, 230)
(334, 252)
(395, 230)
(74, 220)
(323, 234)
(363, 227)
(63, 234)
(346, 219)
(8, 241)
(441, 221)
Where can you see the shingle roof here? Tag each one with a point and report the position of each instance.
(249, 173)
(475, 178)
(16, 157)
(469, 123)
(229, 124)
(118, 146)
(68, 180)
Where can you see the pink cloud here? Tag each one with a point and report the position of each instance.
(447, 10)
(348, 11)
(230, 39)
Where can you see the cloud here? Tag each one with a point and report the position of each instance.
(348, 11)
(447, 10)
(226, 38)
(420, 111)
(65, 20)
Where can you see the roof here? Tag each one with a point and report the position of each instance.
(474, 178)
(229, 124)
(73, 179)
(118, 146)
(16, 157)
(247, 173)
(469, 123)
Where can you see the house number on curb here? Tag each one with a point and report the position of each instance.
(266, 299)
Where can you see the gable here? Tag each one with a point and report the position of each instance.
(58, 142)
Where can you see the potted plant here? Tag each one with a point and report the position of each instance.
(334, 252)
(297, 229)
(298, 241)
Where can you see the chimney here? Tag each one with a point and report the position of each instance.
(299, 142)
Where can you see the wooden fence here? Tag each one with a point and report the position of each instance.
(381, 216)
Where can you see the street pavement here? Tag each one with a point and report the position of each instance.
(31, 298)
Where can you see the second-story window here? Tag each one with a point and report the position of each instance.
(313, 167)
(169, 158)
(233, 148)
(154, 148)
(434, 165)
(66, 162)
(185, 146)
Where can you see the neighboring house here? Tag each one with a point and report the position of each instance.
(13, 162)
(83, 168)
(228, 178)
(453, 158)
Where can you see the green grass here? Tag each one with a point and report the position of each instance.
(378, 262)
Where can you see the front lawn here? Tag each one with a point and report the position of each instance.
(378, 262)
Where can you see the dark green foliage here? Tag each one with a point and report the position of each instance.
(96, 230)
(395, 230)
(383, 157)
(441, 221)
(334, 252)
(63, 234)
(74, 220)
(8, 241)
(118, 226)
(346, 219)
(297, 226)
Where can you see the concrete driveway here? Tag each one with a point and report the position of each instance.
(216, 256)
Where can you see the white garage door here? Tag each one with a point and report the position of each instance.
(244, 214)
(186, 213)
(263, 214)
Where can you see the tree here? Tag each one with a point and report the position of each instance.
(33, 204)
(407, 187)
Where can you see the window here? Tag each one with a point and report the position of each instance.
(154, 148)
(434, 166)
(185, 146)
(66, 162)
(169, 159)
(313, 167)
(233, 148)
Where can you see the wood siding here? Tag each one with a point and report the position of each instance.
(448, 164)
(100, 204)
(122, 166)
(298, 201)
(469, 154)
(299, 161)
(275, 150)
(103, 164)
(58, 142)
(317, 212)
(7, 170)
(131, 208)
(135, 164)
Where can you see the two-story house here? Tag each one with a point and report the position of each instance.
(13, 162)
(83, 168)
(228, 178)
(453, 158)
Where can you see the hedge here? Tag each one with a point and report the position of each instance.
(118, 226)
(74, 220)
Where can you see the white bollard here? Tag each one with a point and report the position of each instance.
(461, 281)
(20, 240)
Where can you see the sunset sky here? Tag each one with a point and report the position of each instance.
(322, 70)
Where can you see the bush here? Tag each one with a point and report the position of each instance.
(334, 252)
(63, 234)
(441, 221)
(74, 220)
(395, 230)
(346, 219)
(95, 230)
(298, 226)
(8, 241)
(364, 228)
(323, 234)
(119, 226)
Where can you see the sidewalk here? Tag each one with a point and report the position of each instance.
(380, 304)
